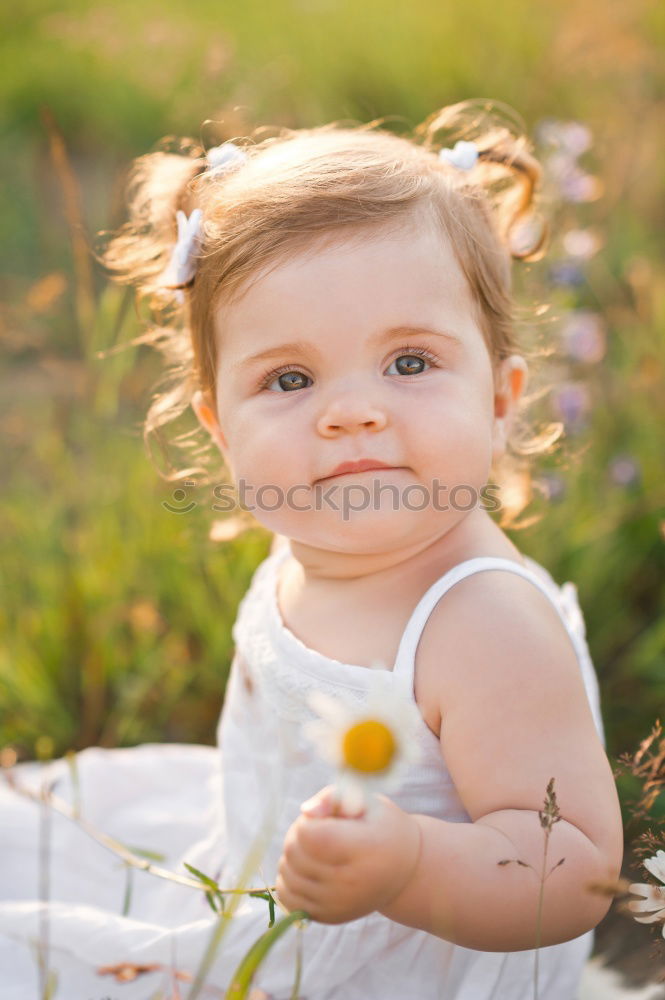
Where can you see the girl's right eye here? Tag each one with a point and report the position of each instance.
(286, 378)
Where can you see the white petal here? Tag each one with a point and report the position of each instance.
(392, 779)
(411, 752)
(653, 897)
(656, 865)
(390, 701)
(326, 741)
(641, 888)
(654, 918)
(645, 907)
(651, 907)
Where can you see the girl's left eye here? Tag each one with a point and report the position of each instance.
(411, 361)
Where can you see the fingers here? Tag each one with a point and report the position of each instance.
(295, 862)
(326, 803)
(295, 892)
(324, 841)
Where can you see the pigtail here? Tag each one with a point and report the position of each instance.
(138, 253)
(505, 168)
(497, 175)
(159, 185)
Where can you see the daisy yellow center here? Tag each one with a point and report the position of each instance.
(368, 746)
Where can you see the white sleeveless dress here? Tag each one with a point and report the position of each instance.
(177, 800)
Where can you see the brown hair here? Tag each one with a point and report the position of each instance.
(295, 187)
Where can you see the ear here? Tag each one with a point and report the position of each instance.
(510, 382)
(204, 408)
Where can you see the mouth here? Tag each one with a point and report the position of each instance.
(364, 465)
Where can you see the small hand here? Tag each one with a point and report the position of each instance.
(338, 868)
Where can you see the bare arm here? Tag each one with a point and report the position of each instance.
(514, 714)
(460, 891)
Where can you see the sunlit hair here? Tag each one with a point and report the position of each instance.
(333, 183)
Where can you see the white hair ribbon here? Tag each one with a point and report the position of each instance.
(221, 158)
(182, 265)
(464, 155)
(181, 268)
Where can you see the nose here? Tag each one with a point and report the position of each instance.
(349, 413)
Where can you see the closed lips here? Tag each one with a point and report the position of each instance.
(365, 465)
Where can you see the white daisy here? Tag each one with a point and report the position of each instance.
(652, 903)
(372, 744)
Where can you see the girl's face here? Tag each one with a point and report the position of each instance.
(364, 351)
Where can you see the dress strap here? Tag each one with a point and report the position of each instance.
(406, 653)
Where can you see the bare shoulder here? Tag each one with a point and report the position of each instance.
(482, 617)
(498, 662)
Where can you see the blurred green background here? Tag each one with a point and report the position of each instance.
(116, 613)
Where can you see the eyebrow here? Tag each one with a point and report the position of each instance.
(299, 348)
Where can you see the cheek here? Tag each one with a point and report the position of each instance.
(262, 452)
(458, 440)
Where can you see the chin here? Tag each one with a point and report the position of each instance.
(368, 532)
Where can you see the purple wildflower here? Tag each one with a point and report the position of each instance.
(572, 402)
(553, 487)
(624, 470)
(583, 336)
(567, 273)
